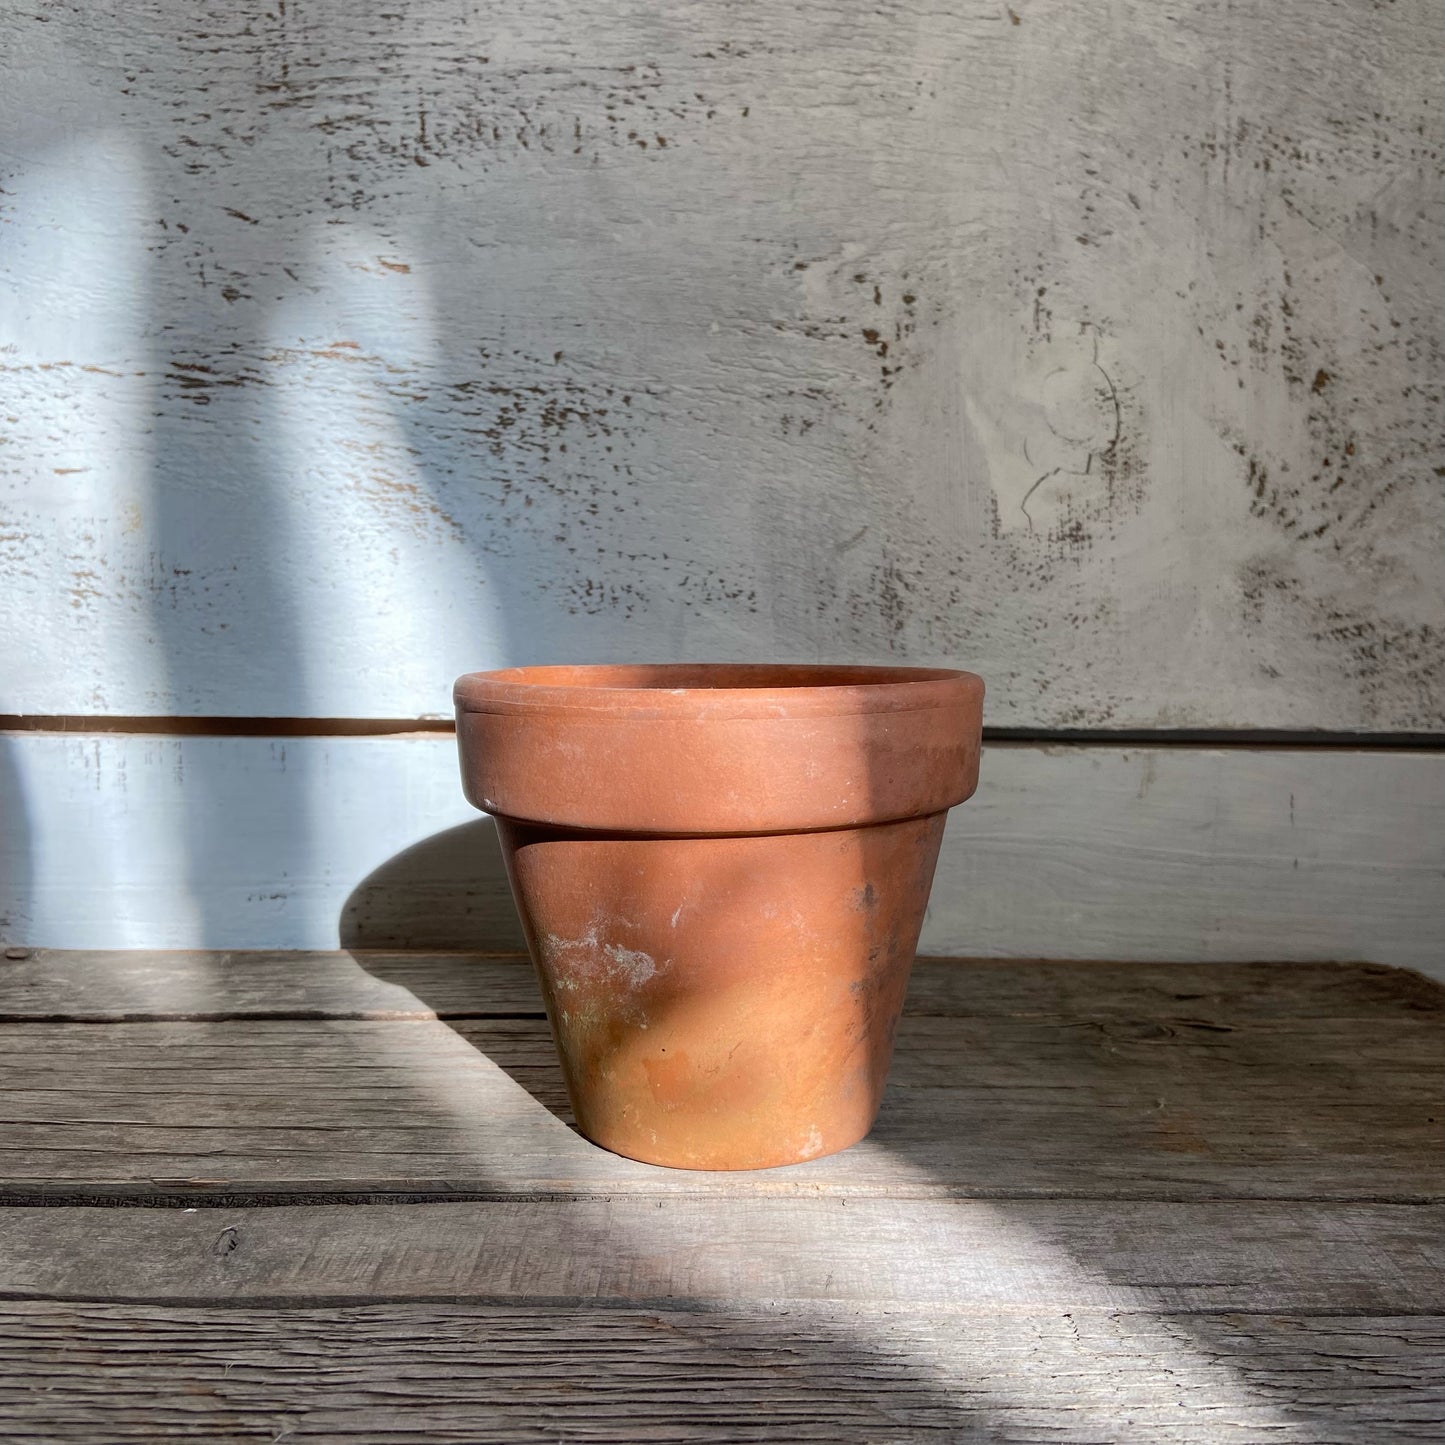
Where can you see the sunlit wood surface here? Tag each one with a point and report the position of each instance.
(273, 1196)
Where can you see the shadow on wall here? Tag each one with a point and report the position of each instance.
(17, 902)
(447, 892)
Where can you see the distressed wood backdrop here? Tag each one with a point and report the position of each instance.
(1094, 345)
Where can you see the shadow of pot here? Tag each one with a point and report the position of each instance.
(447, 892)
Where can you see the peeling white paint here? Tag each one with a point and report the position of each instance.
(249, 842)
(1101, 357)
(341, 353)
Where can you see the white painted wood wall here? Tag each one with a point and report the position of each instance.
(1092, 344)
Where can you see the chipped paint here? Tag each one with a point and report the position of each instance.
(1103, 359)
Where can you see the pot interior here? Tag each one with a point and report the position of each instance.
(730, 676)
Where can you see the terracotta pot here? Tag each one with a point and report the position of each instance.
(721, 872)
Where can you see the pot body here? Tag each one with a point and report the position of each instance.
(722, 873)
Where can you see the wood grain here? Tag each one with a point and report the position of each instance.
(460, 1373)
(116, 986)
(943, 1256)
(1229, 1299)
(1098, 351)
(1007, 1081)
(1184, 854)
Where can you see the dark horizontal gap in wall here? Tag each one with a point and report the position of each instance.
(1213, 738)
(308, 727)
(227, 727)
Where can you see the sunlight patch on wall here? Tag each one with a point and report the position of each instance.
(75, 397)
(376, 559)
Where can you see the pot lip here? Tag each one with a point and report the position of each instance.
(717, 690)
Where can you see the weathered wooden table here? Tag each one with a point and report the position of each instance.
(275, 1197)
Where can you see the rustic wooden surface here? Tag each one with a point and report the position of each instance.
(1097, 347)
(1105, 1202)
(1184, 853)
(403, 1372)
(106, 986)
(362, 1092)
(728, 1244)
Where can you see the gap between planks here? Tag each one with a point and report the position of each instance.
(237, 726)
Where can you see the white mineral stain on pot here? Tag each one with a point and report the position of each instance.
(586, 960)
(635, 966)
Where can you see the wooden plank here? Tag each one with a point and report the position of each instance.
(105, 986)
(963, 1256)
(1100, 355)
(987, 1105)
(78, 1372)
(114, 986)
(1164, 854)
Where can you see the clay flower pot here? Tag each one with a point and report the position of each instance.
(721, 872)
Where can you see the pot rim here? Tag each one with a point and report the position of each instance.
(714, 690)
